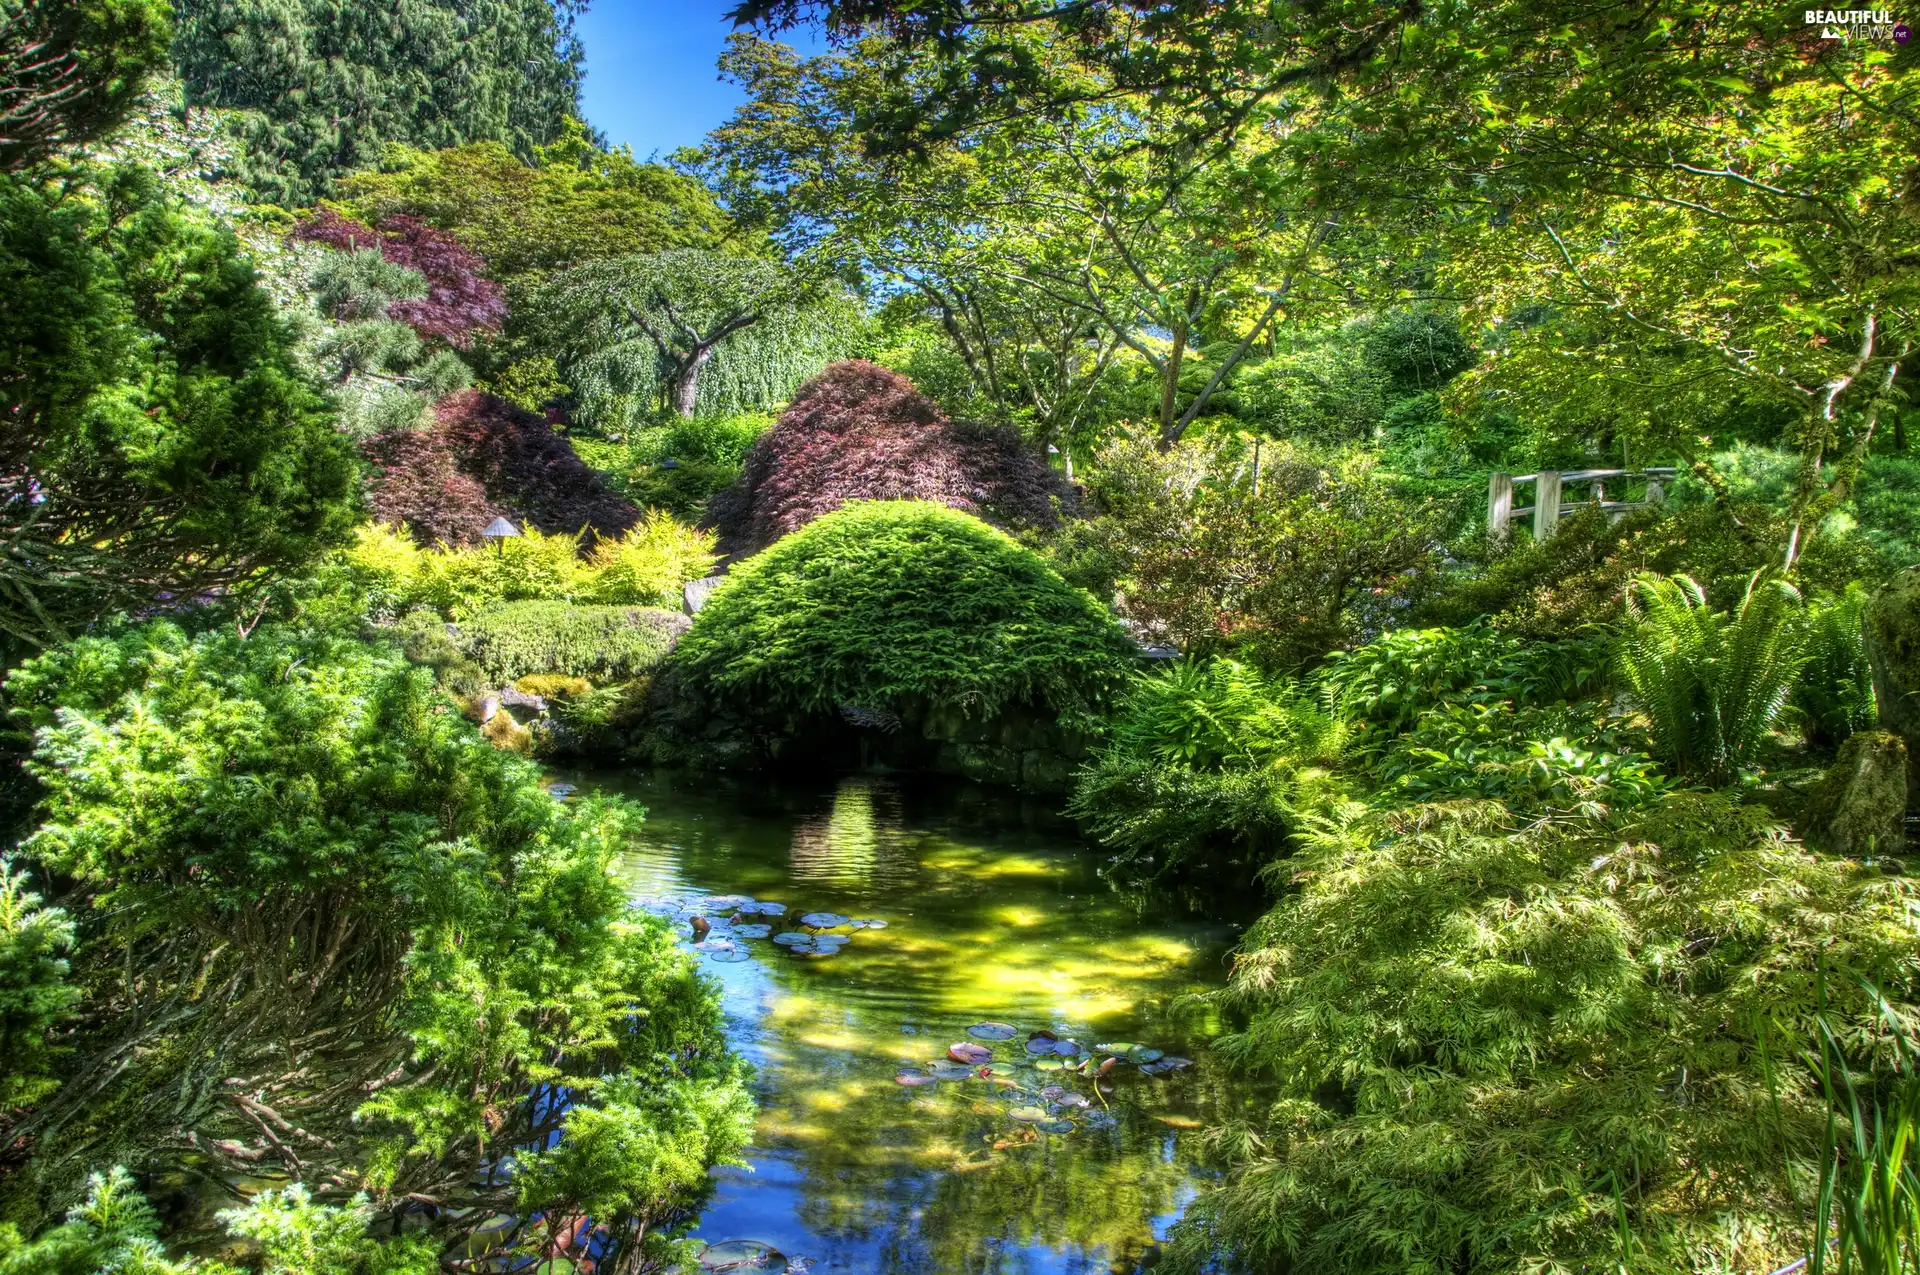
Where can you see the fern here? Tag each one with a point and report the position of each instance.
(1711, 684)
(1836, 691)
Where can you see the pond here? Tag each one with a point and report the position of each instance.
(890, 1137)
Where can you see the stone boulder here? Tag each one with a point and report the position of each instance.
(1892, 624)
(1860, 806)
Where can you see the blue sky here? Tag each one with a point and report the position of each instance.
(651, 81)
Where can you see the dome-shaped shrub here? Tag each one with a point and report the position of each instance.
(905, 608)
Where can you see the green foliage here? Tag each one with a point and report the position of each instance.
(906, 607)
(687, 331)
(71, 70)
(1835, 690)
(302, 842)
(680, 465)
(1869, 1189)
(600, 643)
(1476, 712)
(318, 90)
(1710, 683)
(1280, 553)
(1205, 756)
(161, 440)
(574, 203)
(34, 992)
(113, 1233)
(1401, 675)
(1544, 1044)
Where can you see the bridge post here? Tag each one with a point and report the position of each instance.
(1546, 503)
(1499, 505)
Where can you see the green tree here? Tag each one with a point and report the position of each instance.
(71, 69)
(320, 88)
(1042, 245)
(161, 441)
(688, 329)
(572, 204)
(301, 842)
(34, 993)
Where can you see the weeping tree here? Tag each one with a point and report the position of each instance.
(689, 330)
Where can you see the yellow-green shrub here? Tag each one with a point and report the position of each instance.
(647, 566)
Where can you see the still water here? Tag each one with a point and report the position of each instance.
(993, 913)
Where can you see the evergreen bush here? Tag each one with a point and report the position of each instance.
(600, 643)
(294, 839)
(906, 607)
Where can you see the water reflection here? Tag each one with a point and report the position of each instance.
(990, 916)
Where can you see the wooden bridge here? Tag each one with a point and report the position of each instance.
(1550, 491)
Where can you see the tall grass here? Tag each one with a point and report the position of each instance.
(1867, 1213)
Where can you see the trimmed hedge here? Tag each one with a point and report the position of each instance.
(600, 643)
(906, 607)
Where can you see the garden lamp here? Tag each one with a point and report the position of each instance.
(499, 531)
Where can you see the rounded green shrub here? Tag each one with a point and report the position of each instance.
(907, 607)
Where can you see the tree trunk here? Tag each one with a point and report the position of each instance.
(1170, 389)
(686, 382)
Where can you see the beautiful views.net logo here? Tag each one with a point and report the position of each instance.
(1865, 24)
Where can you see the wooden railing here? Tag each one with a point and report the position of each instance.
(1549, 496)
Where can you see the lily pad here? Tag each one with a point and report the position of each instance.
(950, 1071)
(913, 1076)
(714, 945)
(1065, 1048)
(812, 953)
(993, 1031)
(792, 937)
(1052, 1093)
(763, 909)
(1073, 1100)
(837, 940)
(723, 902)
(742, 1255)
(1141, 1054)
(823, 920)
(1028, 1114)
(752, 931)
(967, 1052)
(1041, 1046)
(731, 956)
(1049, 1064)
(869, 925)
(1055, 1126)
(1119, 1049)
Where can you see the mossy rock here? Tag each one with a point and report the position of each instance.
(1892, 624)
(1861, 804)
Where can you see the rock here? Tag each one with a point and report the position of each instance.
(1892, 624)
(511, 698)
(696, 592)
(1860, 806)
